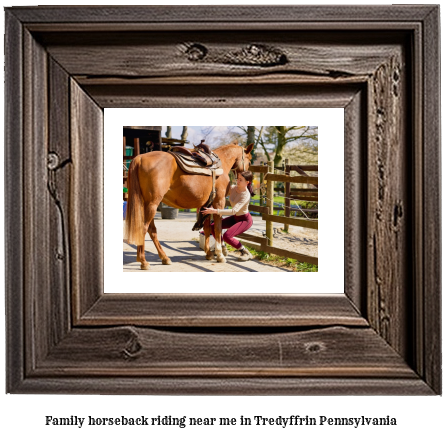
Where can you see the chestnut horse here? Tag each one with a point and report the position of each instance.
(156, 177)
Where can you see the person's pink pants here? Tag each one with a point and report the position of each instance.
(235, 226)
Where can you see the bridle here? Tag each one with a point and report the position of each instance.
(235, 169)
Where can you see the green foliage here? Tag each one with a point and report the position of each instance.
(279, 261)
(307, 267)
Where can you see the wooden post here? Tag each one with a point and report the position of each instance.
(287, 194)
(125, 174)
(136, 147)
(159, 142)
(261, 184)
(270, 205)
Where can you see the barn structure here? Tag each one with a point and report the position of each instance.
(140, 140)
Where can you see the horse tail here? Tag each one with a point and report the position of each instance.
(135, 215)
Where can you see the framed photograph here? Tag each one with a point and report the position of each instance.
(378, 333)
(184, 245)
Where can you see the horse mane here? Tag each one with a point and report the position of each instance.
(207, 149)
(226, 146)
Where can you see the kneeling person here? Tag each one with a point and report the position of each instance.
(239, 220)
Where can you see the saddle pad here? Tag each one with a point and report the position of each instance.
(189, 165)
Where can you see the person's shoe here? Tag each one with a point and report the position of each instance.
(244, 255)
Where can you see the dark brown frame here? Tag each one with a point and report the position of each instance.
(63, 65)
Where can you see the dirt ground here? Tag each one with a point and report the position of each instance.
(181, 245)
(298, 239)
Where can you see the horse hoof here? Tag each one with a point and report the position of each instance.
(224, 250)
(144, 267)
(210, 255)
(221, 259)
(166, 261)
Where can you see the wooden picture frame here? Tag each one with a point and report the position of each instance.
(65, 64)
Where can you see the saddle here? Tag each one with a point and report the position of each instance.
(197, 162)
(200, 161)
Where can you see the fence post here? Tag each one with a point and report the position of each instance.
(287, 194)
(261, 185)
(270, 205)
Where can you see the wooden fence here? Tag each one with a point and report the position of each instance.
(267, 173)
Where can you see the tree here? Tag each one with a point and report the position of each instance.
(285, 138)
(251, 139)
(254, 135)
(305, 152)
(299, 143)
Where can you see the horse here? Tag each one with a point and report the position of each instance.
(155, 177)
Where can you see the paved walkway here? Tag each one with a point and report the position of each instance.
(181, 244)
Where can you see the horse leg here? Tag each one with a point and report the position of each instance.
(153, 233)
(218, 232)
(149, 226)
(141, 252)
(207, 230)
(223, 244)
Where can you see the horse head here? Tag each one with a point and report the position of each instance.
(243, 159)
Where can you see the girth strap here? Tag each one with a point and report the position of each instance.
(201, 218)
(213, 182)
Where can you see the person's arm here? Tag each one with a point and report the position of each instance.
(209, 210)
(244, 199)
(225, 212)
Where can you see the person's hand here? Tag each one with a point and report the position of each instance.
(206, 211)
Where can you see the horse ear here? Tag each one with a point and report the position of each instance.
(249, 148)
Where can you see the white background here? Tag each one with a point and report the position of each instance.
(24, 414)
(331, 224)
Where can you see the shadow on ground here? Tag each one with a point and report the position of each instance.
(186, 256)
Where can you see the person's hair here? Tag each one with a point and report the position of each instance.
(248, 176)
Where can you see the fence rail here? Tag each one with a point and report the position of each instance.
(258, 169)
(298, 222)
(246, 239)
(258, 209)
(292, 179)
(268, 175)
